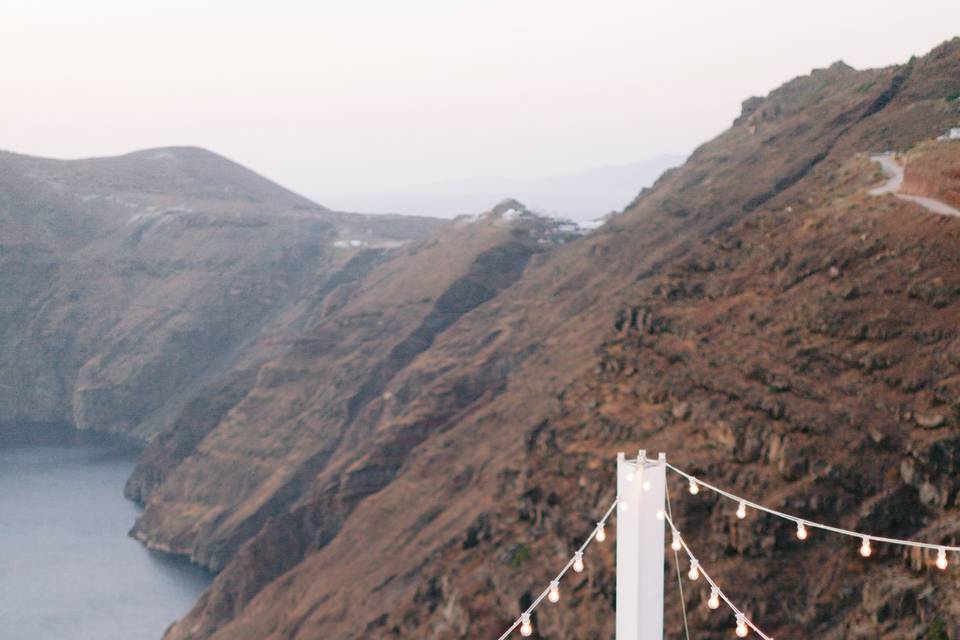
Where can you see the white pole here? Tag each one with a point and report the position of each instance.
(640, 547)
(628, 542)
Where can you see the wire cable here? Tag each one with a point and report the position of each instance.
(566, 567)
(676, 561)
(803, 522)
(738, 613)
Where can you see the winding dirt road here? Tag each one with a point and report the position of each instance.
(894, 172)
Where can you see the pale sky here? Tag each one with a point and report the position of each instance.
(333, 98)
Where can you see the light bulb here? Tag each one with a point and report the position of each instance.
(646, 485)
(676, 545)
(742, 629)
(660, 514)
(865, 549)
(742, 510)
(526, 629)
(623, 505)
(630, 476)
(601, 532)
(714, 600)
(694, 487)
(578, 562)
(942, 559)
(554, 595)
(801, 531)
(694, 570)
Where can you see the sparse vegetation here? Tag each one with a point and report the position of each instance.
(520, 555)
(937, 630)
(953, 97)
(866, 86)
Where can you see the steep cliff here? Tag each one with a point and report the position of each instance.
(755, 314)
(312, 413)
(132, 282)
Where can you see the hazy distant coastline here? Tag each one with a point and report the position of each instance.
(584, 195)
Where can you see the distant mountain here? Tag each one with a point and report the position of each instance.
(131, 282)
(585, 195)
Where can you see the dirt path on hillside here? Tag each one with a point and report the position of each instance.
(894, 173)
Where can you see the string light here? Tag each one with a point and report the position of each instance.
(623, 505)
(526, 629)
(554, 591)
(742, 630)
(714, 601)
(630, 476)
(646, 485)
(578, 562)
(743, 624)
(716, 594)
(804, 525)
(742, 510)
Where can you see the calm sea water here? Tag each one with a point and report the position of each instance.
(68, 571)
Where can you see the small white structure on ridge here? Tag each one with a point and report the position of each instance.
(953, 134)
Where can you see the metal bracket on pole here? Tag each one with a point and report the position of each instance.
(640, 547)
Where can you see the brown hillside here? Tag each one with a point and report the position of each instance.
(933, 170)
(808, 358)
(131, 283)
(484, 459)
(332, 384)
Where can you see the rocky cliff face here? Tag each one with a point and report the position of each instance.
(225, 479)
(130, 283)
(805, 357)
(755, 314)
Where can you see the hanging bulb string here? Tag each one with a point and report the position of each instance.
(566, 568)
(676, 561)
(804, 523)
(738, 614)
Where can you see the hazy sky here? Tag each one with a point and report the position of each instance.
(332, 98)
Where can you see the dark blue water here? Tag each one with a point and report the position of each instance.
(68, 571)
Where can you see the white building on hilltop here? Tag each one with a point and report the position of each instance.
(953, 134)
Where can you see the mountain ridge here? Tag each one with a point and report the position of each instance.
(461, 564)
(118, 269)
